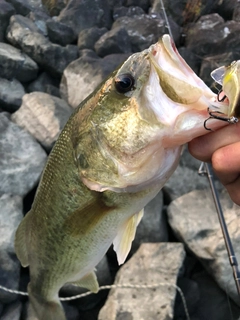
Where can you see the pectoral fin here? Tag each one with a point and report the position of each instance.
(123, 241)
(89, 282)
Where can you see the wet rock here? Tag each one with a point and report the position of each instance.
(12, 311)
(23, 33)
(143, 30)
(194, 220)
(60, 33)
(88, 37)
(116, 40)
(82, 15)
(124, 11)
(6, 11)
(82, 76)
(143, 269)
(43, 116)
(16, 64)
(11, 93)
(21, 159)
(44, 83)
(222, 37)
(10, 217)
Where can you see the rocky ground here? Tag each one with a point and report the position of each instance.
(50, 60)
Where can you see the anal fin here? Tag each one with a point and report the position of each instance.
(126, 234)
(89, 281)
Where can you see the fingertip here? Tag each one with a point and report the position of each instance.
(197, 148)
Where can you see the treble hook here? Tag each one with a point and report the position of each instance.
(215, 115)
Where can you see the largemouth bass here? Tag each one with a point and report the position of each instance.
(115, 153)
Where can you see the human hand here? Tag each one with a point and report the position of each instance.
(222, 149)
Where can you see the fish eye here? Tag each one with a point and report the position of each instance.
(124, 82)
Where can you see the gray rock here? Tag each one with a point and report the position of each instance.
(16, 64)
(43, 116)
(143, 30)
(60, 33)
(43, 82)
(124, 11)
(88, 37)
(116, 40)
(10, 217)
(153, 226)
(23, 33)
(12, 311)
(104, 278)
(11, 93)
(213, 302)
(222, 36)
(225, 8)
(144, 4)
(21, 159)
(6, 11)
(82, 15)
(40, 18)
(192, 60)
(236, 12)
(24, 7)
(194, 220)
(54, 10)
(155, 263)
(82, 76)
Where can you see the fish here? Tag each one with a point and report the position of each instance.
(115, 153)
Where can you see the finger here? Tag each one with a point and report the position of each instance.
(226, 163)
(234, 191)
(203, 147)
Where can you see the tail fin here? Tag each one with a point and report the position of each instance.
(41, 309)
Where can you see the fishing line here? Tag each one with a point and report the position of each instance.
(116, 286)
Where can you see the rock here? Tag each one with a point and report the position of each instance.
(60, 33)
(82, 76)
(23, 33)
(225, 8)
(192, 60)
(10, 217)
(43, 116)
(222, 36)
(124, 11)
(6, 11)
(144, 4)
(54, 8)
(40, 18)
(11, 93)
(212, 303)
(12, 311)
(16, 64)
(24, 7)
(194, 220)
(21, 159)
(144, 269)
(116, 40)
(44, 83)
(211, 63)
(143, 30)
(236, 12)
(82, 15)
(88, 37)
(104, 278)
(153, 226)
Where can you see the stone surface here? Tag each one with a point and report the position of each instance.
(143, 30)
(116, 40)
(124, 11)
(10, 217)
(6, 11)
(60, 33)
(22, 32)
(44, 83)
(88, 37)
(24, 7)
(82, 76)
(11, 93)
(16, 64)
(194, 220)
(84, 14)
(12, 311)
(153, 263)
(21, 159)
(43, 116)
